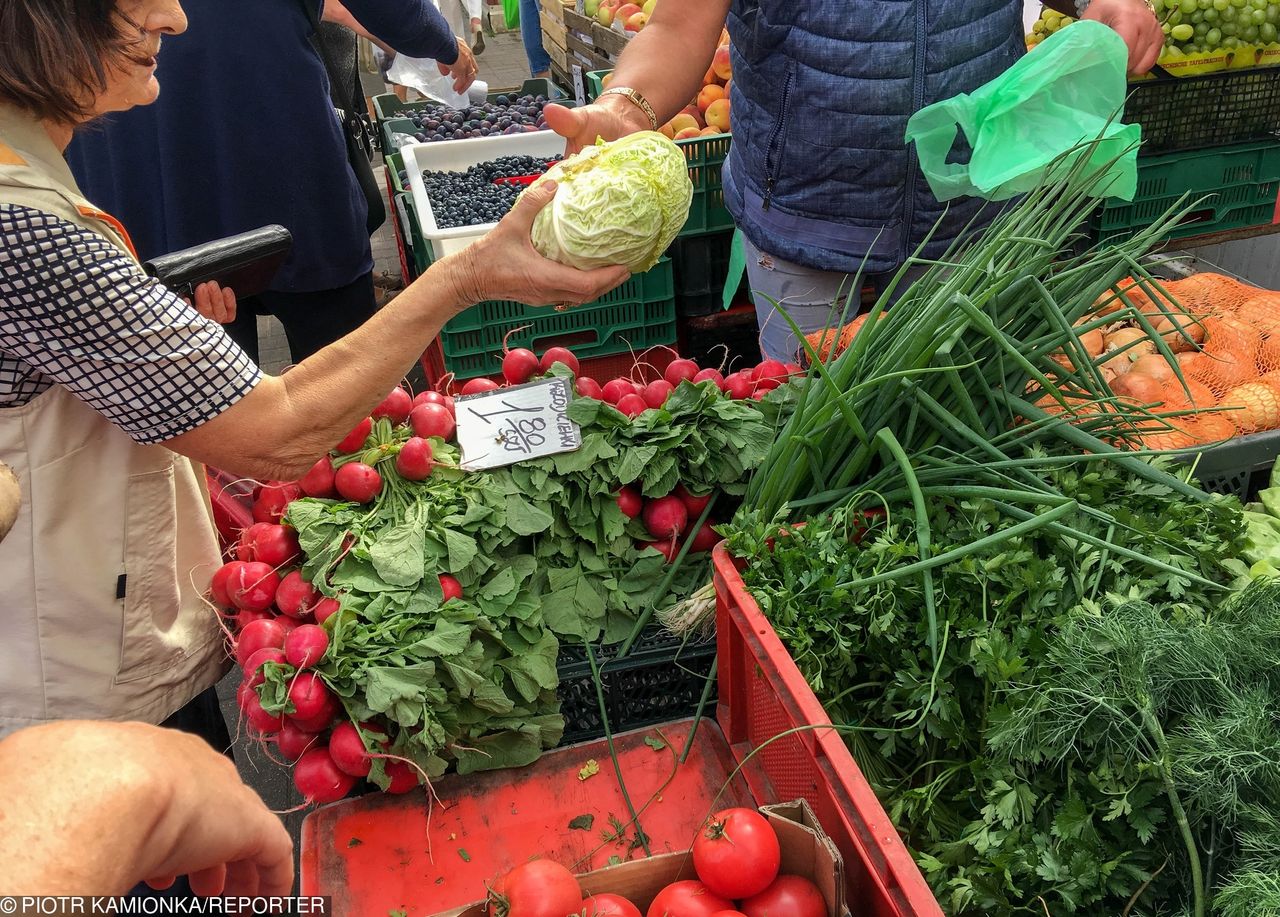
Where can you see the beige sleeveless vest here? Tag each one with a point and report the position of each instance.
(101, 615)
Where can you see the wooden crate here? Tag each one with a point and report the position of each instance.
(553, 31)
(609, 43)
(576, 22)
(554, 9)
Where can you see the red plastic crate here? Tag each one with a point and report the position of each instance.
(762, 695)
(639, 367)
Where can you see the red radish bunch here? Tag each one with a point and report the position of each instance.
(668, 520)
(414, 459)
(356, 438)
(358, 482)
(556, 355)
(519, 366)
(271, 500)
(479, 386)
(318, 482)
(273, 545)
(433, 419)
(395, 407)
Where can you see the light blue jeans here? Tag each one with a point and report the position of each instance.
(531, 34)
(813, 299)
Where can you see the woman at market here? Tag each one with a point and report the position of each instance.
(113, 389)
(819, 180)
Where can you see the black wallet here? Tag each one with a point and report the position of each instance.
(246, 263)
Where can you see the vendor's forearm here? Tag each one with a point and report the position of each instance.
(666, 61)
(280, 429)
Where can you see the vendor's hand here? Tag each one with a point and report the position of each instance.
(463, 70)
(96, 808)
(216, 303)
(505, 265)
(1134, 21)
(609, 117)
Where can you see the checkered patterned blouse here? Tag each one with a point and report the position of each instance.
(76, 312)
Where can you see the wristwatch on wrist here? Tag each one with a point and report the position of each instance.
(637, 100)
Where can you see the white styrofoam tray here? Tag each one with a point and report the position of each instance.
(458, 156)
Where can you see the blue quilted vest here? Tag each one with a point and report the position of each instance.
(819, 172)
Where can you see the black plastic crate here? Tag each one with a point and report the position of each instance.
(1240, 467)
(728, 338)
(1214, 109)
(701, 265)
(661, 679)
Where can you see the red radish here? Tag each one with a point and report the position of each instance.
(358, 482)
(518, 366)
(556, 355)
(681, 370)
(760, 394)
(220, 584)
(766, 385)
(293, 742)
(318, 778)
(695, 505)
(273, 545)
(254, 586)
(479, 386)
(665, 517)
(253, 674)
(325, 609)
(306, 646)
(432, 398)
(413, 461)
(737, 385)
(296, 597)
(258, 635)
(772, 370)
(669, 548)
(403, 777)
(655, 394)
(616, 389)
(794, 369)
(710, 375)
(632, 405)
(271, 500)
(630, 502)
(314, 706)
(289, 624)
(395, 407)
(356, 438)
(318, 482)
(705, 539)
(433, 420)
(348, 751)
(245, 617)
(589, 388)
(263, 722)
(451, 588)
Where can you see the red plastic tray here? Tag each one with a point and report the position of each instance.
(376, 854)
(762, 695)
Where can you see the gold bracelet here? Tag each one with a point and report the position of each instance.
(637, 100)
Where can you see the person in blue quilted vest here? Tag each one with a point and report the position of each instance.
(820, 179)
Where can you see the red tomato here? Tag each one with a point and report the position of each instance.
(539, 888)
(609, 906)
(789, 895)
(728, 914)
(737, 853)
(687, 899)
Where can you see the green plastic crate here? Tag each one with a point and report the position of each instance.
(1241, 184)
(395, 165)
(595, 83)
(415, 245)
(706, 156)
(640, 313)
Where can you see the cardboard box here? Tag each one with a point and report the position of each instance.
(806, 851)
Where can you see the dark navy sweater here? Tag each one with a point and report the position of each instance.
(244, 134)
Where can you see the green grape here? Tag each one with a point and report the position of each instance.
(1211, 16)
(1250, 35)
(1230, 14)
(1214, 38)
(1189, 6)
(1261, 4)
(1268, 33)
(1231, 43)
(1238, 3)
(1183, 32)
(1221, 5)
(1273, 14)
(1231, 30)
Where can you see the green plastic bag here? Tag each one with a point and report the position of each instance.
(1067, 92)
(511, 14)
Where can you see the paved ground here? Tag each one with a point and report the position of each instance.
(502, 66)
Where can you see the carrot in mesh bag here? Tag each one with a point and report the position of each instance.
(831, 342)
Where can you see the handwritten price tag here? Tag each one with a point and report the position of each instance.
(514, 424)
